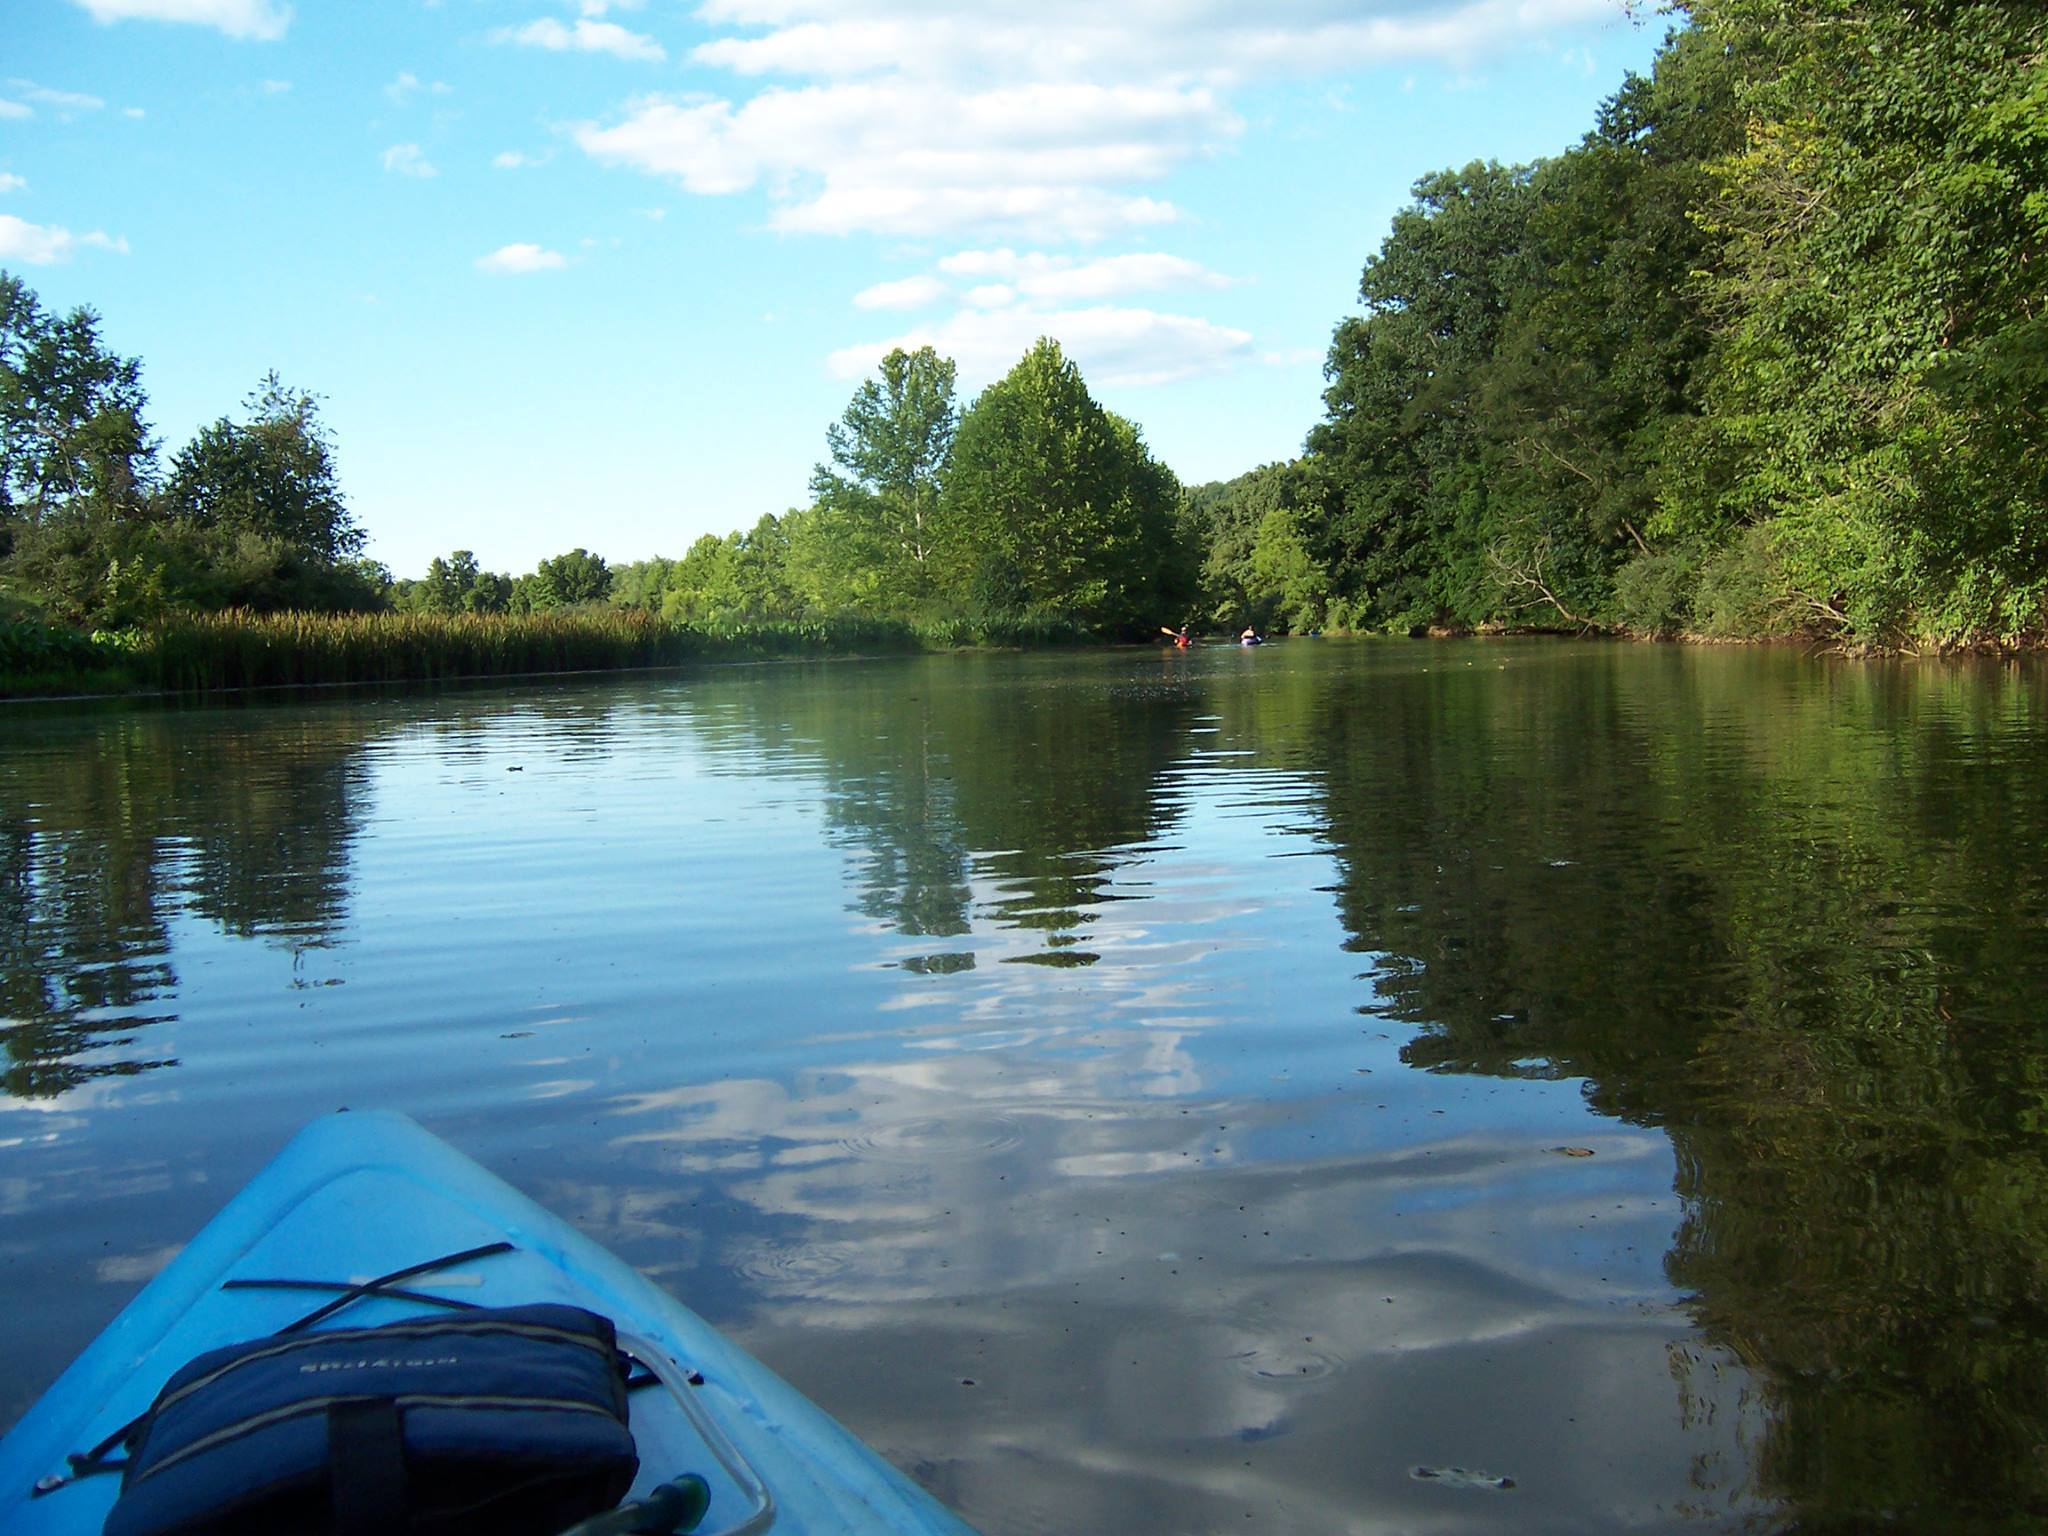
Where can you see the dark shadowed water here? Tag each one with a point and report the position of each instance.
(1262, 1075)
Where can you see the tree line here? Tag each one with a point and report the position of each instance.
(1765, 353)
(1032, 502)
(96, 528)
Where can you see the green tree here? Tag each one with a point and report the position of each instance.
(1287, 579)
(270, 478)
(1880, 293)
(698, 581)
(1224, 522)
(458, 584)
(889, 454)
(71, 427)
(816, 562)
(742, 578)
(1054, 505)
(251, 513)
(758, 573)
(76, 464)
(1408, 459)
(640, 584)
(565, 580)
(1599, 358)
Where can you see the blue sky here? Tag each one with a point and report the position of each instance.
(599, 273)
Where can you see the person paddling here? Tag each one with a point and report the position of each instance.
(1179, 637)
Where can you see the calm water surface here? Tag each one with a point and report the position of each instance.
(1261, 1075)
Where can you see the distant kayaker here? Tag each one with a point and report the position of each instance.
(1250, 637)
(1179, 637)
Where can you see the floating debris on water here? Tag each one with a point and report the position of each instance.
(1573, 1151)
(1460, 1477)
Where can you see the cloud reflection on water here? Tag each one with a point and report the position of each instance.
(1151, 1327)
(726, 974)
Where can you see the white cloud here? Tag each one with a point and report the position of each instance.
(15, 109)
(135, 113)
(585, 36)
(1137, 272)
(906, 293)
(522, 257)
(1061, 279)
(9, 182)
(274, 87)
(64, 103)
(1041, 123)
(408, 160)
(1046, 119)
(257, 19)
(1002, 263)
(1055, 278)
(1209, 40)
(42, 245)
(134, 1268)
(894, 157)
(409, 84)
(518, 159)
(1116, 347)
(1184, 39)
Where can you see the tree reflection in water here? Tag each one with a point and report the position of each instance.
(1790, 915)
(1796, 918)
(113, 828)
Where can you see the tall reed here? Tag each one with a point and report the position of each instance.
(204, 652)
(199, 652)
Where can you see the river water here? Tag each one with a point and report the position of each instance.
(1134, 1092)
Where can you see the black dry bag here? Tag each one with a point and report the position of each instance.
(508, 1421)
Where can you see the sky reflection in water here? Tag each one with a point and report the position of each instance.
(1176, 1049)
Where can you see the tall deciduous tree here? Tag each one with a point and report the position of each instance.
(458, 584)
(640, 584)
(889, 453)
(1231, 519)
(576, 577)
(1882, 297)
(76, 462)
(1599, 359)
(1411, 463)
(271, 477)
(72, 437)
(1055, 505)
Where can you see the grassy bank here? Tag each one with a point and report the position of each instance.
(200, 653)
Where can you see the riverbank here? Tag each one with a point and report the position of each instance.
(210, 653)
(230, 652)
(1809, 641)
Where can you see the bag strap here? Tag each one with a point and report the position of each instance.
(379, 1285)
(366, 1468)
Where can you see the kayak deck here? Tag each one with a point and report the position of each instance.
(362, 1195)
